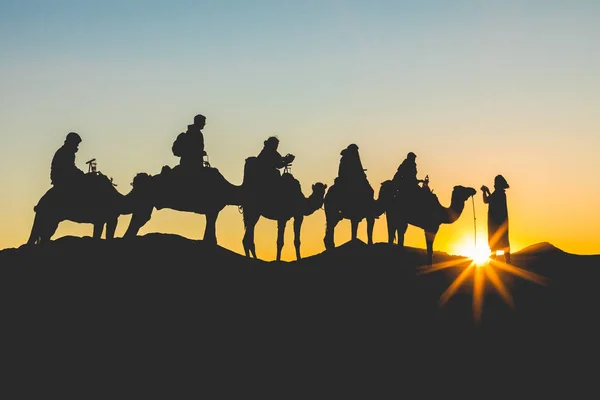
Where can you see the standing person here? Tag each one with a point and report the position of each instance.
(497, 217)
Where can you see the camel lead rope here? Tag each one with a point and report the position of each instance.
(474, 221)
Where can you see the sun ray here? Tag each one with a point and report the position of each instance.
(426, 269)
(498, 234)
(478, 258)
(478, 290)
(500, 287)
(528, 275)
(448, 293)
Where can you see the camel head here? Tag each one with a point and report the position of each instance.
(387, 190)
(319, 190)
(462, 193)
(315, 200)
(141, 180)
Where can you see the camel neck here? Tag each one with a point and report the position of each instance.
(456, 208)
(313, 203)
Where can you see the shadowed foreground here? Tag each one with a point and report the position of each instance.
(143, 311)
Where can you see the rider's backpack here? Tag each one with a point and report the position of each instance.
(179, 145)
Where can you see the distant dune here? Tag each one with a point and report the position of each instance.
(539, 248)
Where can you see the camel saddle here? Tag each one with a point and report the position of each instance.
(182, 182)
(417, 198)
(359, 190)
(90, 188)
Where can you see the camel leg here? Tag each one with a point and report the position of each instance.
(111, 227)
(138, 219)
(297, 225)
(354, 228)
(391, 229)
(34, 237)
(332, 221)
(98, 228)
(248, 240)
(370, 225)
(280, 236)
(401, 227)
(210, 232)
(47, 230)
(429, 238)
(507, 255)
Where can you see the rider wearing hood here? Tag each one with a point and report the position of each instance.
(497, 216)
(350, 168)
(406, 175)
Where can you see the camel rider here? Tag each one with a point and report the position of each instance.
(63, 171)
(406, 175)
(350, 168)
(189, 145)
(351, 174)
(271, 161)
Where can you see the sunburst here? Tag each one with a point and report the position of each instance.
(481, 268)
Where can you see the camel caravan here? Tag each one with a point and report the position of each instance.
(265, 192)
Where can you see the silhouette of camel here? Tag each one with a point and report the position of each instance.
(204, 192)
(339, 204)
(426, 213)
(98, 203)
(280, 203)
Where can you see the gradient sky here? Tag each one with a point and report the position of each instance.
(474, 88)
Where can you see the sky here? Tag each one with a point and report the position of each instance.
(474, 88)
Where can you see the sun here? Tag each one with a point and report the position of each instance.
(479, 254)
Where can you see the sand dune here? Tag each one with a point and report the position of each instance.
(169, 303)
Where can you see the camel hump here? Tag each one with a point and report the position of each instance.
(140, 178)
(251, 161)
(290, 182)
(99, 185)
(186, 179)
(424, 201)
(101, 179)
(287, 176)
(95, 189)
(434, 199)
